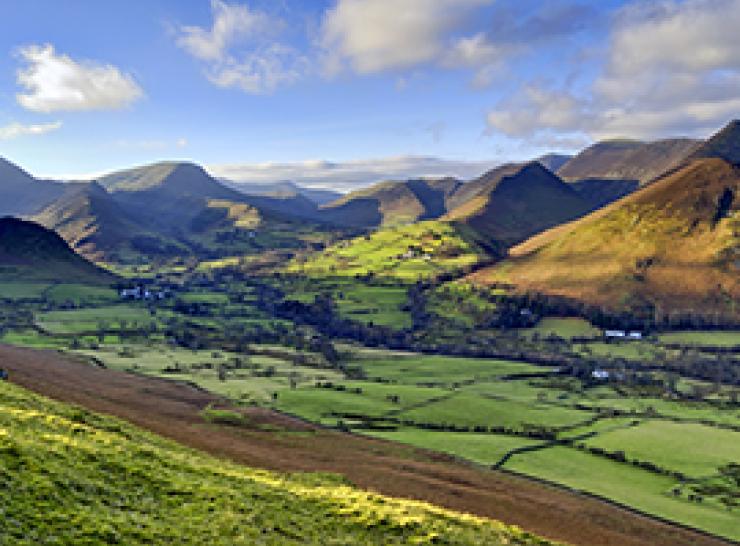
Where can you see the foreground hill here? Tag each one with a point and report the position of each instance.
(105, 481)
(510, 203)
(392, 203)
(628, 159)
(672, 248)
(28, 251)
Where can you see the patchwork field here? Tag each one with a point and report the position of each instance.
(105, 481)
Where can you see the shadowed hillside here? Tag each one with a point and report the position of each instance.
(628, 159)
(96, 226)
(392, 203)
(511, 203)
(672, 248)
(29, 251)
(21, 194)
(724, 145)
(284, 190)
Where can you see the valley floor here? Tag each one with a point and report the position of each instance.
(272, 440)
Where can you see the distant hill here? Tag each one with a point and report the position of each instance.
(392, 203)
(29, 251)
(600, 192)
(166, 210)
(97, 227)
(167, 195)
(724, 145)
(670, 249)
(405, 253)
(552, 162)
(284, 190)
(628, 159)
(21, 194)
(510, 203)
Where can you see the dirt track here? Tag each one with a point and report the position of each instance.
(172, 410)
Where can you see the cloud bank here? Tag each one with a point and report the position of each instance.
(350, 175)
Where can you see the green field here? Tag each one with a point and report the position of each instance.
(694, 450)
(407, 253)
(245, 378)
(471, 410)
(439, 370)
(563, 327)
(699, 338)
(81, 294)
(123, 316)
(487, 449)
(378, 304)
(626, 484)
(98, 480)
(22, 290)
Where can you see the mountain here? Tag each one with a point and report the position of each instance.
(672, 248)
(284, 190)
(97, 227)
(510, 203)
(22, 194)
(392, 203)
(166, 195)
(600, 192)
(552, 162)
(29, 251)
(628, 159)
(168, 210)
(724, 145)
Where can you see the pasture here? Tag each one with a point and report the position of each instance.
(694, 450)
(625, 484)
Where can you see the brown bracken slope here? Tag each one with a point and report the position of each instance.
(674, 245)
(172, 410)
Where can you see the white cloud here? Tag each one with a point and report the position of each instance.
(260, 68)
(262, 71)
(231, 23)
(17, 129)
(673, 68)
(350, 175)
(57, 82)
(373, 36)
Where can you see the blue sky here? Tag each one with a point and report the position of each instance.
(342, 92)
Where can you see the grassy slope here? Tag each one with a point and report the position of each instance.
(625, 484)
(69, 476)
(437, 247)
(659, 244)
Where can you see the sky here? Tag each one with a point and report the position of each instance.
(342, 93)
